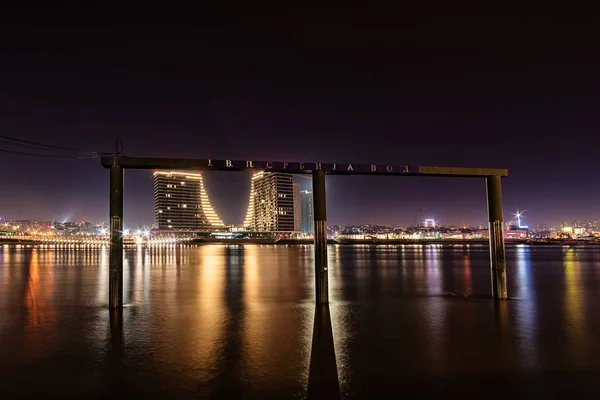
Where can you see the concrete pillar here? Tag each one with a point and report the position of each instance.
(115, 285)
(320, 231)
(496, 232)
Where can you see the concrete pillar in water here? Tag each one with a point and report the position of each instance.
(496, 233)
(320, 231)
(115, 285)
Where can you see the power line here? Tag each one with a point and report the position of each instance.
(42, 155)
(21, 142)
(45, 147)
(24, 145)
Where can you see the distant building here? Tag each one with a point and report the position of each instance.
(181, 202)
(306, 212)
(429, 223)
(272, 197)
(542, 227)
(515, 234)
(297, 218)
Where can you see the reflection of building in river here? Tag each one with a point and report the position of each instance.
(32, 290)
(433, 269)
(467, 270)
(526, 317)
(575, 308)
(192, 335)
(38, 307)
(274, 333)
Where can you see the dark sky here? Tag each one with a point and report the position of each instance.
(338, 85)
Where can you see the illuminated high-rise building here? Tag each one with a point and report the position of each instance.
(181, 202)
(272, 200)
(249, 219)
(306, 212)
(297, 217)
(429, 223)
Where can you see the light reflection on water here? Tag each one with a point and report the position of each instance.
(526, 315)
(218, 321)
(574, 307)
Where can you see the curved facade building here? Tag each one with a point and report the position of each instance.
(181, 202)
(271, 203)
(249, 219)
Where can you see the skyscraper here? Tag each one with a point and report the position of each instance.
(297, 218)
(306, 212)
(181, 202)
(249, 219)
(272, 197)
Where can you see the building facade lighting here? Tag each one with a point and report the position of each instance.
(181, 202)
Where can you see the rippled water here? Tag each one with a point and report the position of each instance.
(219, 321)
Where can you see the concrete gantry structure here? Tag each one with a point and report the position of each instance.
(118, 163)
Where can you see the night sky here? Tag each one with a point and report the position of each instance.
(353, 85)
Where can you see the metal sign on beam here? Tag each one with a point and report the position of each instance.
(297, 167)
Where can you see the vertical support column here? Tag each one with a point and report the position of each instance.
(320, 229)
(115, 285)
(496, 233)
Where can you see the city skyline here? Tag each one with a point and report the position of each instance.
(517, 95)
(426, 228)
(236, 213)
(304, 202)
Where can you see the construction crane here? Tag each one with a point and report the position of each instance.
(414, 224)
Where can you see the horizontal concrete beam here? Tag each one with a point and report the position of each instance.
(296, 167)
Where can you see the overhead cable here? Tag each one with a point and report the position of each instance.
(45, 147)
(44, 155)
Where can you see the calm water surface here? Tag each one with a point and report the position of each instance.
(220, 321)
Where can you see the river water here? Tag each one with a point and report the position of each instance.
(233, 321)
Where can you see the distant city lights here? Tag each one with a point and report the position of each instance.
(427, 229)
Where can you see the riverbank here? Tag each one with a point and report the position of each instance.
(369, 242)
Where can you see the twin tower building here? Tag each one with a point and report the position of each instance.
(275, 204)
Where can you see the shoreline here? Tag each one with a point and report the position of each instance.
(344, 242)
